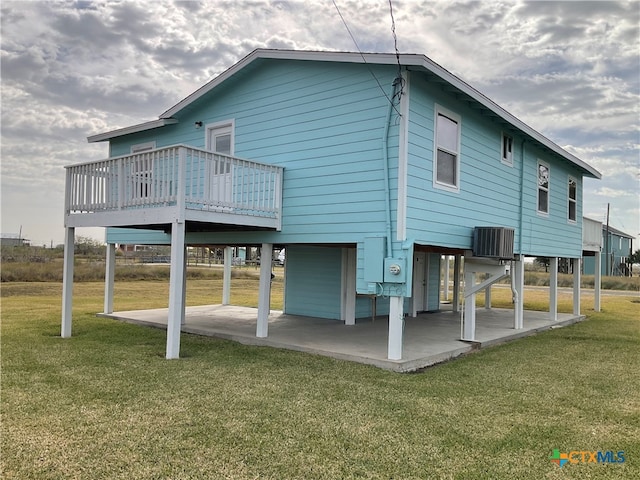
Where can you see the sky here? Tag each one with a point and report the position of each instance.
(71, 69)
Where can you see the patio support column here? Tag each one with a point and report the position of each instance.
(226, 276)
(553, 289)
(469, 314)
(67, 282)
(264, 292)
(518, 301)
(396, 328)
(348, 306)
(184, 286)
(576, 285)
(456, 283)
(176, 286)
(446, 277)
(596, 281)
(487, 298)
(109, 277)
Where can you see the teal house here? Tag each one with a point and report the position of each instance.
(617, 247)
(369, 169)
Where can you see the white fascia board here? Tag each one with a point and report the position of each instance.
(141, 127)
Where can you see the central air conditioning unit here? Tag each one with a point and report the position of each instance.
(493, 242)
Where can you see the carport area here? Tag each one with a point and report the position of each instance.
(429, 338)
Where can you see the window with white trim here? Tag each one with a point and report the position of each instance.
(446, 162)
(507, 149)
(573, 199)
(543, 187)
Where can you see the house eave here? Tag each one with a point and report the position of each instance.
(141, 127)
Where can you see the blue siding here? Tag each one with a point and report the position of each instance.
(324, 123)
(490, 191)
(313, 283)
(433, 281)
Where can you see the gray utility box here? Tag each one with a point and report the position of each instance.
(493, 242)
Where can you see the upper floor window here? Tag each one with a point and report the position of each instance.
(142, 170)
(573, 197)
(507, 149)
(446, 171)
(543, 188)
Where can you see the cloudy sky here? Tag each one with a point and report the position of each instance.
(71, 69)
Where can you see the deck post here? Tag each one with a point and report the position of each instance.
(576, 285)
(184, 286)
(597, 280)
(456, 283)
(553, 289)
(67, 282)
(396, 328)
(176, 305)
(469, 314)
(109, 277)
(264, 291)
(226, 276)
(518, 307)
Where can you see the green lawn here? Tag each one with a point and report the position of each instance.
(105, 404)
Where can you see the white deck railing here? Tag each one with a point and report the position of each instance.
(175, 176)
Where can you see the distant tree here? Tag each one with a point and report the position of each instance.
(542, 262)
(89, 246)
(634, 259)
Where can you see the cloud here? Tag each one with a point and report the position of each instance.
(73, 69)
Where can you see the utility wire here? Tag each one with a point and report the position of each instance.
(390, 100)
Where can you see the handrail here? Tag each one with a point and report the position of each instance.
(178, 175)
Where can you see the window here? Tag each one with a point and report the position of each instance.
(143, 147)
(573, 196)
(446, 171)
(543, 188)
(507, 149)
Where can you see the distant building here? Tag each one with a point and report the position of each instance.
(13, 240)
(617, 246)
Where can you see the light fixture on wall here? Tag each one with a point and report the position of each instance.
(198, 124)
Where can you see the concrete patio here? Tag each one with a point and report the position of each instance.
(429, 338)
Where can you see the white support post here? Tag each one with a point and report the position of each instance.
(597, 281)
(446, 278)
(576, 285)
(109, 277)
(553, 289)
(456, 283)
(518, 307)
(67, 282)
(176, 304)
(396, 328)
(184, 287)
(349, 286)
(469, 315)
(226, 276)
(264, 292)
(487, 298)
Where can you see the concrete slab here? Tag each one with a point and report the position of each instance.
(429, 338)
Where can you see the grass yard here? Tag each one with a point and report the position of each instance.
(105, 404)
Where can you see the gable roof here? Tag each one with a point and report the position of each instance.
(415, 61)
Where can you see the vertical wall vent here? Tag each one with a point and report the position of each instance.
(493, 242)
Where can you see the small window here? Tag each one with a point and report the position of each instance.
(141, 170)
(507, 149)
(543, 188)
(446, 169)
(573, 196)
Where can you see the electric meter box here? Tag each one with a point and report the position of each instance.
(395, 270)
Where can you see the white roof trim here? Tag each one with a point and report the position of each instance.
(141, 127)
(411, 60)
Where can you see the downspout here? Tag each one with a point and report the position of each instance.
(514, 291)
(385, 168)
